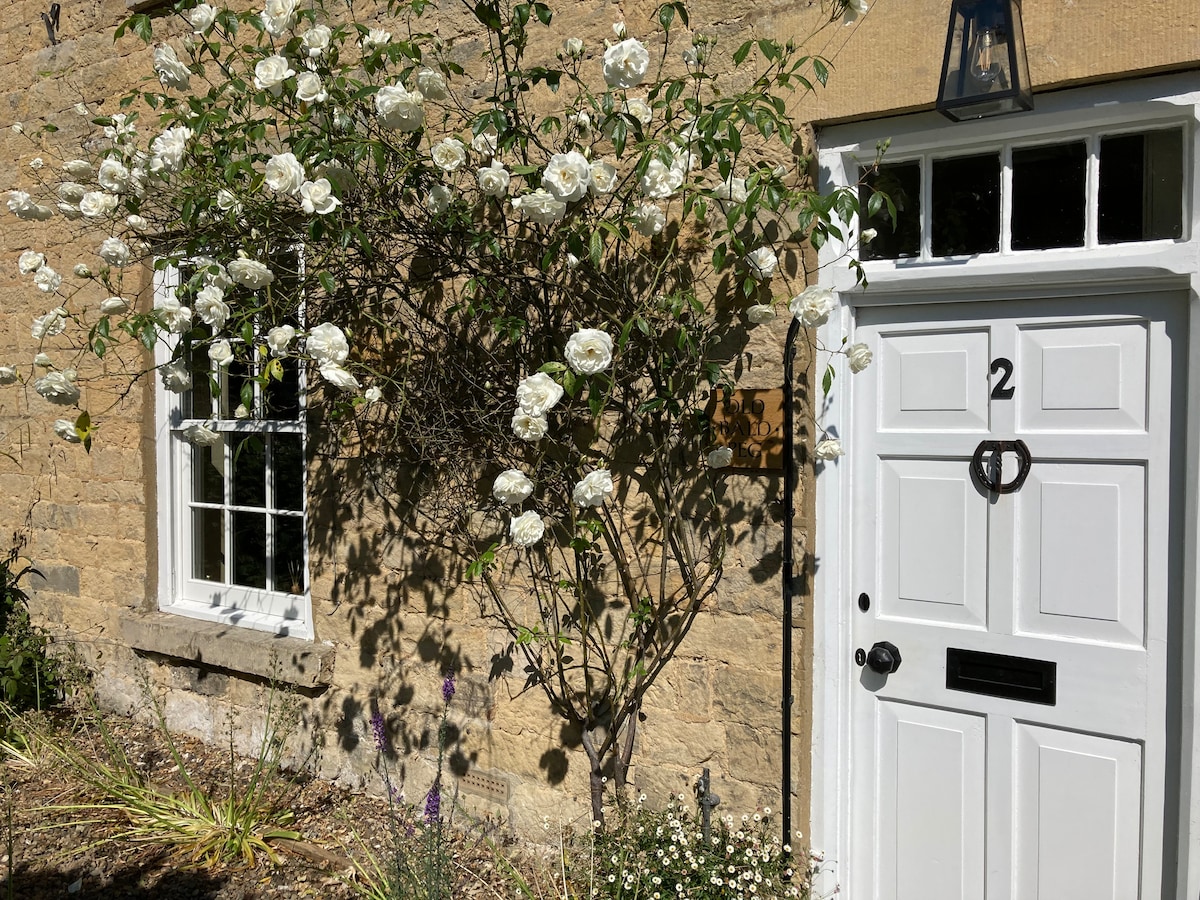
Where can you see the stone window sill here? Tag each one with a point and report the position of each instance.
(287, 660)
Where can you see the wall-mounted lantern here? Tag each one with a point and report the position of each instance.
(985, 71)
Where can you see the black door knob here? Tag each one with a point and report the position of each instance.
(883, 657)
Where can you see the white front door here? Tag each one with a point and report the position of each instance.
(1019, 751)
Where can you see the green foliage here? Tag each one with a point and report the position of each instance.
(29, 677)
(211, 825)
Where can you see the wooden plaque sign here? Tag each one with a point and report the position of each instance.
(751, 424)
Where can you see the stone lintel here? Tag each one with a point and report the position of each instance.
(287, 660)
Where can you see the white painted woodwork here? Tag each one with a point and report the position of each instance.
(959, 795)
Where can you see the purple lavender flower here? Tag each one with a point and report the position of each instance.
(448, 687)
(433, 803)
(379, 731)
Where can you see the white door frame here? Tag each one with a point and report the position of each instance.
(1124, 268)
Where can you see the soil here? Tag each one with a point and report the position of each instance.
(47, 852)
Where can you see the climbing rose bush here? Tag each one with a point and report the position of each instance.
(535, 268)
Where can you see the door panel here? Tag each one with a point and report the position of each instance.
(968, 792)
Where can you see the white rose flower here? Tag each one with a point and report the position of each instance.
(58, 387)
(439, 199)
(316, 197)
(620, 30)
(8, 375)
(376, 38)
(279, 16)
(95, 204)
(250, 273)
(485, 143)
(316, 40)
(761, 313)
(588, 351)
(169, 149)
(573, 48)
(731, 189)
(400, 109)
(114, 251)
(373, 394)
(593, 489)
(639, 109)
(176, 377)
(538, 394)
(830, 448)
(23, 206)
(112, 176)
(41, 359)
(284, 174)
(812, 306)
(271, 73)
(279, 337)
(762, 263)
(526, 529)
(240, 411)
(30, 261)
(493, 179)
(78, 168)
(171, 72)
(580, 121)
(859, 357)
(50, 324)
(327, 344)
(512, 487)
(567, 175)
(47, 279)
(432, 85)
(202, 17)
(214, 273)
(211, 306)
(82, 271)
(625, 63)
(137, 223)
(720, 458)
(648, 219)
(339, 377)
(112, 306)
(220, 353)
(854, 9)
(121, 129)
(540, 206)
(176, 317)
(65, 429)
(661, 180)
(71, 191)
(309, 88)
(227, 201)
(604, 178)
(867, 235)
(201, 435)
(449, 154)
(527, 427)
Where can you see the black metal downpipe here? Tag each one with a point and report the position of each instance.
(789, 493)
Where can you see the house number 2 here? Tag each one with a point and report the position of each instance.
(1002, 391)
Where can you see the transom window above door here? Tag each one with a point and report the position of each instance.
(1080, 192)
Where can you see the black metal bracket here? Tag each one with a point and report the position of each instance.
(998, 448)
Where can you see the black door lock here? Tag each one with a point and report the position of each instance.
(883, 657)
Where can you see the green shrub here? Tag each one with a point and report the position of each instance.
(29, 677)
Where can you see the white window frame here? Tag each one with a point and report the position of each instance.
(179, 592)
(1094, 269)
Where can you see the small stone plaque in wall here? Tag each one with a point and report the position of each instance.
(749, 422)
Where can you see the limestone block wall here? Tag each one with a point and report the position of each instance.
(391, 615)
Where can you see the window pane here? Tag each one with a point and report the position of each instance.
(893, 240)
(250, 549)
(208, 473)
(288, 470)
(290, 574)
(238, 378)
(283, 397)
(198, 401)
(208, 544)
(965, 217)
(1141, 186)
(1049, 196)
(250, 472)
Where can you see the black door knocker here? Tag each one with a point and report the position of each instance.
(998, 449)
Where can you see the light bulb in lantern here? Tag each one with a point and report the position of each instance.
(985, 57)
